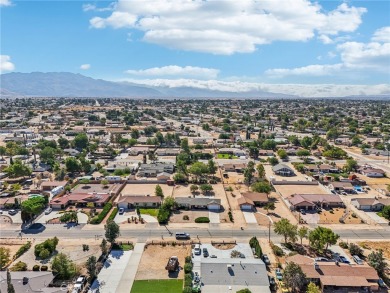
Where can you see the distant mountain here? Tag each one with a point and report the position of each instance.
(64, 84)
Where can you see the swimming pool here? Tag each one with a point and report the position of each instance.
(358, 188)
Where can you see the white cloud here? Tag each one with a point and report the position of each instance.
(177, 71)
(85, 66)
(93, 7)
(325, 39)
(227, 27)
(303, 90)
(310, 70)
(5, 3)
(6, 64)
(382, 35)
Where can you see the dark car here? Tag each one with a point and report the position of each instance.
(266, 259)
(205, 252)
(302, 211)
(343, 259)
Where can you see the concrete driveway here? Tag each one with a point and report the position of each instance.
(83, 218)
(377, 219)
(214, 217)
(311, 218)
(16, 219)
(249, 217)
(111, 274)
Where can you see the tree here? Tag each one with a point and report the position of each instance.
(112, 231)
(158, 191)
(312, 288)
(19, 267)
(294, 277)
(377, 261)
(47, 155)
(184, 145)
(194, 188)
(248, 172)
(302, 233)
(262, 187)
(351, 165)
(303, 154)
(322, 237)
(103, 246)
(355, 249)
(286, 229)
(91, 267)
(10, 286)
(63, 143)
(198, 169)
(212, 168)
(206, 188)
(18, 169)
(72, 165)
(32, 207)
(260, 170)
(81, 141)
(69, 217)
(4, 256)
(3, 151)
(273, 161)
(269, 206)
(63, 267)
(386, 212)
(282, 154)
(332, 134)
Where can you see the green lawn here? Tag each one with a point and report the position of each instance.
(226, 156)
(151, 212)
(123, 246)
(157, 286)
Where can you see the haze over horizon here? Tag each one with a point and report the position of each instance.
(291, 47)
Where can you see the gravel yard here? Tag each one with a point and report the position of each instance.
(155, 258)
(144, 189)
(177, 217)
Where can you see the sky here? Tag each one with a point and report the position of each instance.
(234, 44)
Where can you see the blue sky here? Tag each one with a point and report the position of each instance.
(271, 42)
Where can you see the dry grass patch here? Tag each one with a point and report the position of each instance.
(333, 217)
(370, 245)
(224, 246)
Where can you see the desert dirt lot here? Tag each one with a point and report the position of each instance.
(280, 211)
(12, 244)
(144, 189)
(72, 248)
(177, 217)
(287, 190)
(369, 246)
(155, 258)
(326, 217)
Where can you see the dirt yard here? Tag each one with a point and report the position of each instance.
(287, 190)
(12, 244)
(177, 217)
(368, 246)
(144, 189)
(226, 246)
(155, 258)
(326, 217)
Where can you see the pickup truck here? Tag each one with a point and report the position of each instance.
(173, 264)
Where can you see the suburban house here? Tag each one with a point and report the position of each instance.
(310, 201)
(239, 167)
(249, 200)
(342, 186)
(50, 185)
(232, 151)
(370, 204)
(283, 170)
(371, 172)
(220, 275)
(134, 201)
(29, 281)
(268, 153)
(198, 203)
(334, 276)
(167, 152)
(199, 140)
(80, 199)
(138, 150)
(151, 170)
(325, 168)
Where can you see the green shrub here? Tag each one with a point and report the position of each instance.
(44, 268)
(188, 259)
(24, 248)
(163, 215)
(100, 217)
(113, 214)
(343, 244)
(188, 268)
(46, 248)
(36, 268)
(186, 217)
(230, 216)
(277, 250)
(187, 280)
(254, 243)
(355, 249)
(202, 220)
(187, 289)
(19, 267)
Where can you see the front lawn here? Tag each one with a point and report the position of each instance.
(157, 286)
(123, 246)
(151, 212)
(226, 156)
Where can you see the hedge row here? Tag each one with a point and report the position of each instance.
(202, 220)
(99, 218)
(24, 248)
(254, 243)
(113, 214)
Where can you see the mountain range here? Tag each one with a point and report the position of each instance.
(65, 84)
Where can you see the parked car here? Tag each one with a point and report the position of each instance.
(213, 256)
(197, 250)
(381, 283)
(272, 283)
(279, 274)
(182, 235)
(357, 259)
(12, 212)
(48, 211)
(266, 259)
(205, 252)
(323, 259)
(121, 211)
(343, 259)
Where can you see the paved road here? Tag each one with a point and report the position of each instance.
(215, 232)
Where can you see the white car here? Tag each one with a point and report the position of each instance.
(48, 211)
(197, 250)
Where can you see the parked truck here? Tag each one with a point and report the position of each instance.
(173, 264)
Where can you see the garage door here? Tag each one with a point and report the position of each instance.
(246, 207)
(214, 207)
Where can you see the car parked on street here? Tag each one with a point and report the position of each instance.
(266, 259)
(278, 274)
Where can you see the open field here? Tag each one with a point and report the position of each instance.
(369, 246)
(287, 190)
(155, 258)
(157, 286)
(326, 217)
(144, 189)
(12, 244)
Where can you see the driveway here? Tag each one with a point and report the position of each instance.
(311, 218)
(377, 219)
(16, 219)
(249, 217)
(339, 250)
(83, 218)
(214, 217)
(110, 276)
